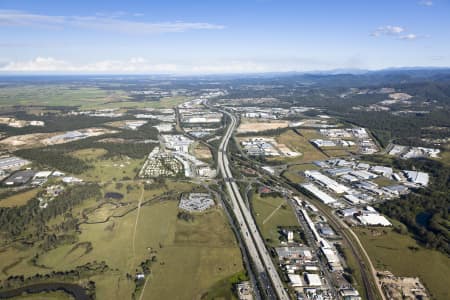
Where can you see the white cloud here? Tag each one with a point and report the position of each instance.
(139, 65)
(388, 30)
(410, 36)
(426, 3)
(38, 64)
(101, 21)
(49, 64)
(394, 31)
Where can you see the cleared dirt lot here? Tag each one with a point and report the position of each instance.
(53, 138)
(262, 125)
(202, 152)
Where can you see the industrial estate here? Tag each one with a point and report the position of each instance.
(226, 196)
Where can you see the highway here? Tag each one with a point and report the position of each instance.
(264, 267)
(371, 285)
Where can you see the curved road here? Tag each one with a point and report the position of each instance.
(264, 266)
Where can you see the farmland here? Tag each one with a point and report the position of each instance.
(78, 96)
(55, 95)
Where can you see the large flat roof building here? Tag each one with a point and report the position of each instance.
(327, 182)
(322, 196)
(12, 162)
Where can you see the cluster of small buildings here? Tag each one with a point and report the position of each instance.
(164, 115)
(259, 146)
(75, 135)
(263, 146)
(13, 176)
(194, 167)
(413, 152)
(340, 136)
(176, 148)
(174, 157)
(303, 271)
(50, 193)
(271, 113)
(198, 121)
(199, 116)
(160, 164)
(104, 113)
(153, 92)
(315, 272)
(367, 216)
(196, 202)
(176, 142)
(35, 178)
(348, 184)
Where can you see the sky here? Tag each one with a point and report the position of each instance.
(210, 36)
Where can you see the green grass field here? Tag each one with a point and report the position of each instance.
(110, 169)
(89, 153)
(270, 213)
(84, 97)
(167, 102)
(205, 249)
(58, 295)
(300, 144)
(396, 253)
(337, 152)
(54, 95)
(19, 199)
(293, 173)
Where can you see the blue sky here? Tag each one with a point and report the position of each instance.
(221, 36)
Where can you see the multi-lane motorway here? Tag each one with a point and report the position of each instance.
(265, 269)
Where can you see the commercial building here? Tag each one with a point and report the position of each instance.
(385, 171)
(12, 162)
(322, 196)
(293, 253)
(373, 219)
(177, 142)
(313, 279)
(396, 190)
(323, 143)
(366, 175)
(420, 178)
(19, 178)
(332, 259)
(339, 171)
(326, 182)
(295, 280)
